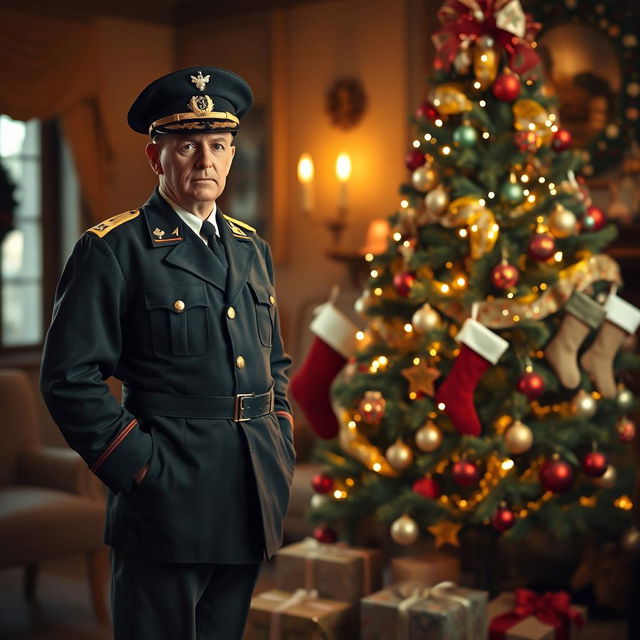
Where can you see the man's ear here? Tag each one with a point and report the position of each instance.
(152, 151)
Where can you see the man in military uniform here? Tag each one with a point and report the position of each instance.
(177, 301)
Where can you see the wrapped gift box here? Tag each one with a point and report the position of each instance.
(523, 615)
(301, 615)
(410, 611)
(336, 572)
(427, 568)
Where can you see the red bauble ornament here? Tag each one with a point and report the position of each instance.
(626, 430)
(527, 141)
(561, 140)
(556, 475)
(427, 487)
(594, 464)
(414, 159)
(322, 483)
(541, 246)
(465, 473)
(504, 275)
(503, 519)
(506, 86)
(531, 384)
(325, 534)
(403, 281)
(427, 111)
(372, 407)
(594, 219)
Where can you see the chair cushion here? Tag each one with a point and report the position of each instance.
(37, 524)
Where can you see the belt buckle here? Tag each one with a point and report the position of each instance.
(238, 407)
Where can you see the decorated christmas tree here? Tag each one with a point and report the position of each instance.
(486, 389)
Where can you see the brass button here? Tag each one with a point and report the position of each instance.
(240, 362)
(231, 313)
(272, 300)
(178, 305)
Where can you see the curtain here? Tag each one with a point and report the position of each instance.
(50, 69)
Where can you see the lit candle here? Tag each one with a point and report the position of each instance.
(305, 178)
(343, 173)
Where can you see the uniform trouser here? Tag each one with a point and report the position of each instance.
(154, 600)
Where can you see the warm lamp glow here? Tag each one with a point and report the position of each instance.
(343, 167)
(305, 168)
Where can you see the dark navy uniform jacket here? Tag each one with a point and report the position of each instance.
(142, 298)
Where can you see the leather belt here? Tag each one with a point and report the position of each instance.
(241, 407)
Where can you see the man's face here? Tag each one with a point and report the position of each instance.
(192, 167)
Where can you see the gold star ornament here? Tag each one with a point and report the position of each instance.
(445, 532)
(421, 378)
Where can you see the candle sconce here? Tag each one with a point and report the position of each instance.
(306, 172)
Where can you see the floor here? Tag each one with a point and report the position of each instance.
(62, 609)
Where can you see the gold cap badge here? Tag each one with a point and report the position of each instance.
(200, 81)
(200, 105)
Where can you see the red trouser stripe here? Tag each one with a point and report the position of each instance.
(286, 415)
(114, 443)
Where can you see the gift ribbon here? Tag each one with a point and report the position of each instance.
(298, 597)
(553, 609)
(464, 21)
(418, 594)
(313, 550)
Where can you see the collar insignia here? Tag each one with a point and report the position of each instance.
(175, 232)
(235, 229)
(200, 105)
(200, 81)
(158, 233)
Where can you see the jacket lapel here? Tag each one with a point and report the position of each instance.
(240, 254)
(186, 249)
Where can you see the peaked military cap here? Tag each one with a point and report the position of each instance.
(193, 99)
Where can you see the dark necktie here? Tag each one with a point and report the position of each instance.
(209, 232)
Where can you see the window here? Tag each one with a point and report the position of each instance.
(45, 221)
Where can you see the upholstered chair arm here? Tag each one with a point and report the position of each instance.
(59, 468)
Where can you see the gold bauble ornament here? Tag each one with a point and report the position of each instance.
(425, 319)
(485, 63)
(437, 201)
(608, 479)
(562, 222)
(404, 530)
(424, 178)
(528, 112)
(624, 398)
(449, 98)
(360, 305)
(518, 438)
(399, 455)
(429, 437)
(584, 405)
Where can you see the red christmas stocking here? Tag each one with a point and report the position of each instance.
(480, 348)
(311, 384)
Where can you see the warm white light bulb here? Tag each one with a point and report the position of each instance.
(343, 167)
(305, 169)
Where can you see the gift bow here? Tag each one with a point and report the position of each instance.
(298, 597)
(553, 609)
(464, 21)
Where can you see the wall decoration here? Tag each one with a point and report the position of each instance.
(591, 51)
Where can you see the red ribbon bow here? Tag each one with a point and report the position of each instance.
(468, 20)
(553, 609)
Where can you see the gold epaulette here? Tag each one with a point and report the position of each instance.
(238, 223)
(102, 228)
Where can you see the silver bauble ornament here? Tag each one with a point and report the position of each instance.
(424, 178)
(437, 201)
(624, 398)
(584, 405)
(317, 500)
(429, 437)
(562, 222)
(630, 541)
(425, 319)
(608, 479)
(518, 438)
(404, 530)
(399, 455)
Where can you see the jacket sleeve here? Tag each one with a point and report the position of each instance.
(280, 363)
(82, 349)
